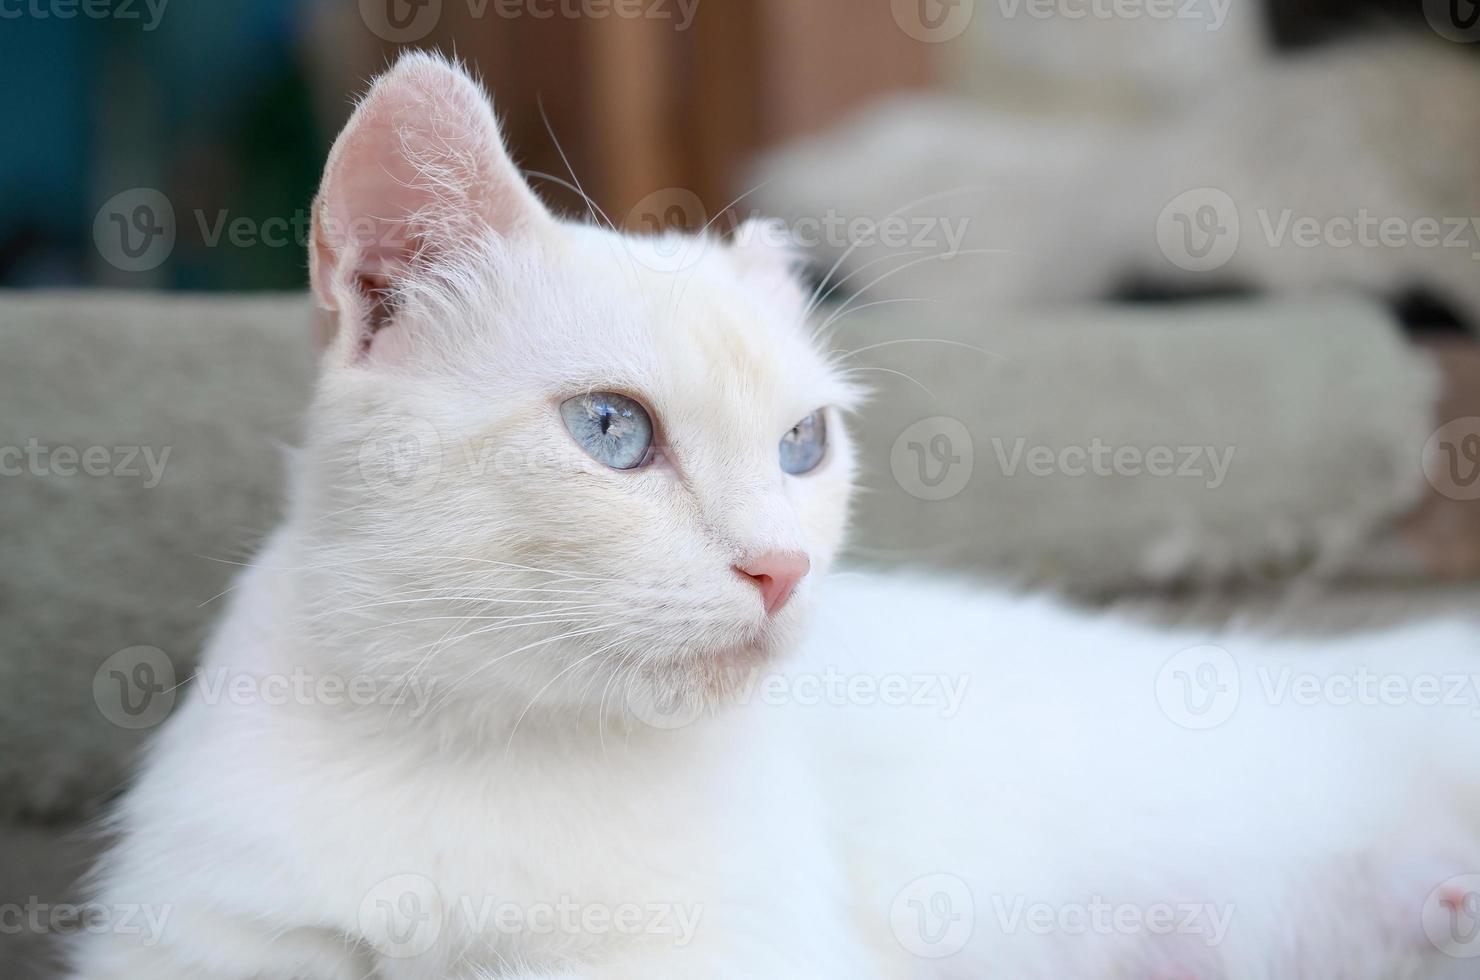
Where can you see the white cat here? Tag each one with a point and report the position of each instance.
(559, 686)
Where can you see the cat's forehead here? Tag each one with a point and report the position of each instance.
(691, 331)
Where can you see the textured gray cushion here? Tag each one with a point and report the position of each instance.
(95, 564)
(1319, 409)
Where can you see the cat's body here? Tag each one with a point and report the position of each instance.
(607, 755)
(1008, 750)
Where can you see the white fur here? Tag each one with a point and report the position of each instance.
(534, 611)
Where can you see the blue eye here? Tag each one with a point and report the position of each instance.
(804, 446)
(612, 428)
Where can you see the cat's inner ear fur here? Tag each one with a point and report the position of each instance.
(419, 174)
(765, 253)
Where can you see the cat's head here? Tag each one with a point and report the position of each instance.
(547, 458)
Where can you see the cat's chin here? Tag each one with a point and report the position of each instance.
(739, 646)
(701, 683)
(744, 657)
(741, 661)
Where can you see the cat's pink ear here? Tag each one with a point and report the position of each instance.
(419, 173)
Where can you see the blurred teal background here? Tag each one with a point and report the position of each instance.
(206, 102)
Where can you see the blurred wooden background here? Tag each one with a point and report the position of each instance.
(640, 106)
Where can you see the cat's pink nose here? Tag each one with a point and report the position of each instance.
(776, 573)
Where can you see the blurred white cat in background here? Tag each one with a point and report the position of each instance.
(1085, 145)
